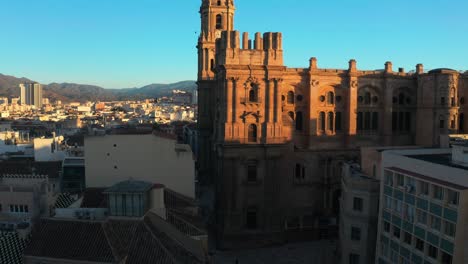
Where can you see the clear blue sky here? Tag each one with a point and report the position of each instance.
(130, 43)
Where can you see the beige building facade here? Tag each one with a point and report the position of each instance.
(114, 158)
(273, 138)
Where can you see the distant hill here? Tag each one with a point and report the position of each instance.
(82, 92)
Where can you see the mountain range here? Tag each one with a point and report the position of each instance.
(67, 92)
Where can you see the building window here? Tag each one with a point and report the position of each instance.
(396, 232)
(432, 251)
(290, 97)
(252, 173)
(251, 219)
(375, 121)
(423, 188)
(357, 204)
(299, 121)
(437, 192)
(219, 22)
(449, 229)
(330, 98)
(407, 238)
(400, 180)
(388, 178)
(422, 217)
(442, 100)
(299, 172)
(330, 121)
(219, 2)
(253, 95)
(441, 123)
(435, 223)
(322, 122)
(419, 244)
(453, 197)
(338, 121)
(252, 136)
(397, 206)
(386, 227)
(388, 203)
(355, 234)
(353, 259)
(367, 98)
(359, 121)
(291, 115)
(446, 258)
(461, 121)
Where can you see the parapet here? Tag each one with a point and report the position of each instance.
(269, 41)
(266, 49)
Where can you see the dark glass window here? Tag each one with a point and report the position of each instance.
(357, 204)
(375, 121)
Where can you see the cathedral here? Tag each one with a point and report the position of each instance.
(272, 138)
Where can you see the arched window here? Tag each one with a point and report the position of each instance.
(290, 97)
(330, 98)
(322, 121)
(453, 100)
(299, 121)
(219, 22)
(253, 95)
(367, 98)
(252, 137)
(401, 99)
(331, 121)
(461, 121)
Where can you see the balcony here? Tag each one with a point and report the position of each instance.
(247, 101)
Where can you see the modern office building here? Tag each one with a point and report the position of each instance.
(31, 94)
(423, 213)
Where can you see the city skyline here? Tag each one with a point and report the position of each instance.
(127, 45)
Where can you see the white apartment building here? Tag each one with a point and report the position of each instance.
(423, 215)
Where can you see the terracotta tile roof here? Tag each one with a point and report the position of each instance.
(113, 241)
(73, 240)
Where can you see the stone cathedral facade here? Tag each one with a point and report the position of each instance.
(273, 138)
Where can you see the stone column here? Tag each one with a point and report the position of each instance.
(350, 125)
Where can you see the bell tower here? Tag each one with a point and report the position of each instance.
(216, 16)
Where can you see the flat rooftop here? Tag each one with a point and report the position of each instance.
(441, 159)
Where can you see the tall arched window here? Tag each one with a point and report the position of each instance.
(331, 121)
(461, 121)
(252, 137)
(453, 100)
(253, 95)
(290, 97)
(367, 98)
(299, 121)
(401, 99)
(330, 98)
(219, 22)
(322, 121)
